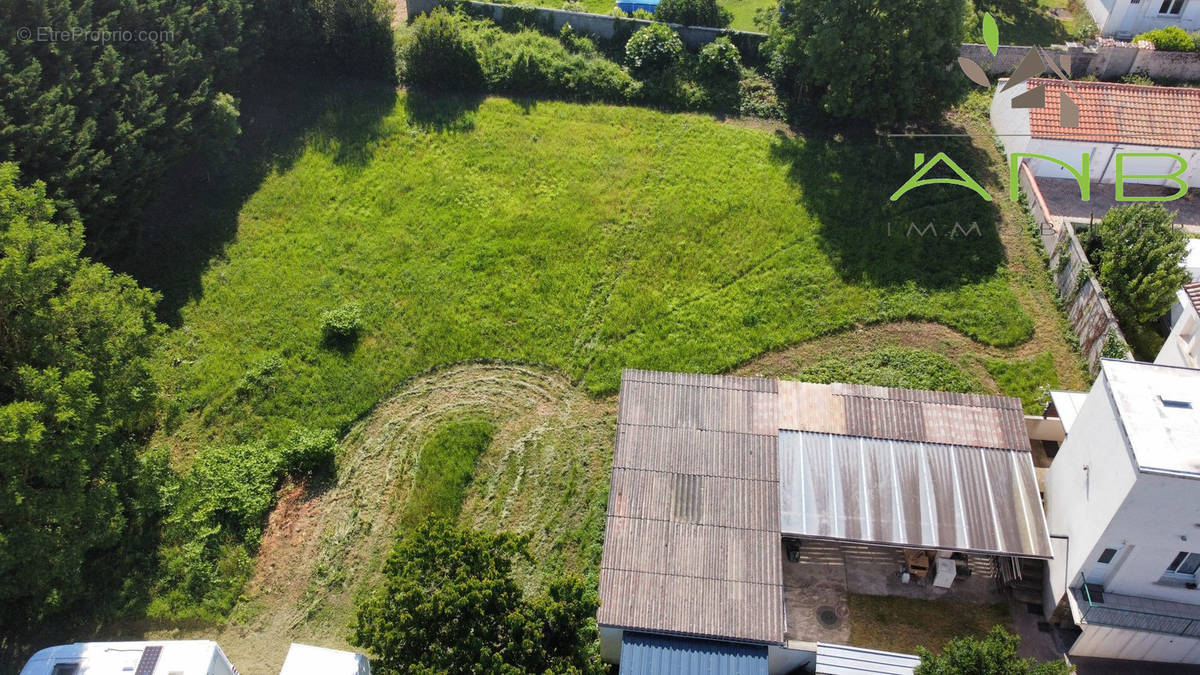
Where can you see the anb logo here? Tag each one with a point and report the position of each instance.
(1033, 64)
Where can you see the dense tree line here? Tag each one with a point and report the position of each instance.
(76, 399)
(99, 97)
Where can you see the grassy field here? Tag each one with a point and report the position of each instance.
(586, 238)
(899, 624)
(743, 10)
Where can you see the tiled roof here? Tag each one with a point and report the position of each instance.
(692, 544)
(1121, 113)
(1193, 293)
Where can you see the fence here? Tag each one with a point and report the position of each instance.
(1086, 307)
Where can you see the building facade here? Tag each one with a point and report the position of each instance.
(1123, 506)
(1126, 18)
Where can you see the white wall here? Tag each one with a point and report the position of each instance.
(1131, 645)
(1118, 16)
(1081, 502)
(1182, 347)
(1157, 520)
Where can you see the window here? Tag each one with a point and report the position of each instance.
(1107, 556)
(1171, 7)
(1185, 564)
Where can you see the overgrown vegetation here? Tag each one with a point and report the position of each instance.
(899, 624)
(1029, 380)
(1169, 39)
(76, 400)
(444, 469)
(894, 367)
(449, 603)
(450, 51)
(993, 654)
(1138, 254)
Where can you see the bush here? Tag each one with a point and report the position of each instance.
(643, 15)
(573, 6)
(341, 324)
(309, 451)
(1169, 39)
(694, 13)
(439, 54)
(529, 63)
(719, 62)
(653, 51)
(618, 13)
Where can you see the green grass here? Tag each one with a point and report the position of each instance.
(743, 10)
(1026, 379)
(588, 238)
(444, 469)
(899, 624)
(894, 367)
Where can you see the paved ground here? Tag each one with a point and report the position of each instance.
(1062, 199)
(815, 584)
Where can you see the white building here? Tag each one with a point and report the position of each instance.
(181, 657)
(1182, 347)
(1127, 18)
(178, 657)
(1123, 506)
(1114, 119)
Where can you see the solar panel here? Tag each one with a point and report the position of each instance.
(148, 661)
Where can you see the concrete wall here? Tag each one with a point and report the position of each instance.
(1130, 645)
(1086, 307)
(1087, 484)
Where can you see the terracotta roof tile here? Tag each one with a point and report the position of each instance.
(1116, 113)
(1193, 293)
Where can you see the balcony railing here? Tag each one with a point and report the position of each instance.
(1135, 613)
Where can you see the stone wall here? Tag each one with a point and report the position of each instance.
(1105, 61)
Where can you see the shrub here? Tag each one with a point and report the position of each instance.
(573, 6)
(643, 15)
(529, 63)
(341, 324)
(719, 62)
(654, 50)
(309, 451)
(1169, 39)
(694, 13)
(259, 378)
(757, 98)
(575, 43)
(1140, 262)
(618, 12)
(439, 54)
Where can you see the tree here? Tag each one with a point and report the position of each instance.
(693, 13)
(76, 397)
(1141, 262)
(995, 654)
(449, 604)
(881, 61)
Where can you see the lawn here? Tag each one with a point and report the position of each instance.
(901, 624)
(743, 10)
(586, 238)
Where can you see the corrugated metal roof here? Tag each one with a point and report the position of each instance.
(643, 654)
(910, 493)
(692, 542)
(843, 660)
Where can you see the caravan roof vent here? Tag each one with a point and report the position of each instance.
(1170, 403)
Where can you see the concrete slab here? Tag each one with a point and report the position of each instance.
(814, 600)
(1062, 200)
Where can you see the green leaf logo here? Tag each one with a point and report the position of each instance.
(991, 33)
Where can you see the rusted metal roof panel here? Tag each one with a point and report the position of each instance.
(910, 493)
(690, 606)
(696, 452)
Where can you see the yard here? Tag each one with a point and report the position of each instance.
(896, 624)
(543, 246)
